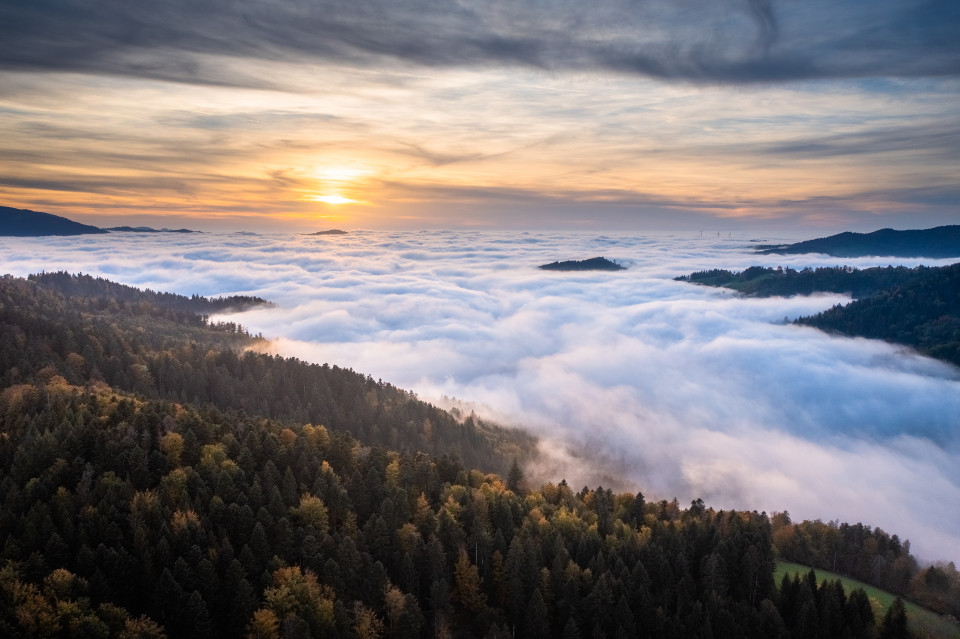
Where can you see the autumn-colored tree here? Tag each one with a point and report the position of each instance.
(263, 625)
(312, 512)
(468, 591)
(366, 623)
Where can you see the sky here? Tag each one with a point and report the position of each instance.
(264, 115)
(630, 380)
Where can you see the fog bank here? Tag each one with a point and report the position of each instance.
(675, 389)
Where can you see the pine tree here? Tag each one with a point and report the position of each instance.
(895, 622)
(515, 477)
(467, 587)
(537, 622)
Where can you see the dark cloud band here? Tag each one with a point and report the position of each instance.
(731, 41)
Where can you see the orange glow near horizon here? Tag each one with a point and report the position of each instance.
(333, 183)
(458, 148)
(334, 199)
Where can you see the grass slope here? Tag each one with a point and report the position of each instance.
(922, 622)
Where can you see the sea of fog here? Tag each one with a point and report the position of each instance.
(631, 379)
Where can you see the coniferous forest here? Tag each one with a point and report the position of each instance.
(160, 478)
(918, 307)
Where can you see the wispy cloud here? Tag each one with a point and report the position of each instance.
(627, 114)
(696, 40)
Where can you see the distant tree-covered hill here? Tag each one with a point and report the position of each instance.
(923, 313)
(918, 307)
(592, 264)
(156, 480)
(764, 281)
(939, 242)
(26, 223)
(89, 287)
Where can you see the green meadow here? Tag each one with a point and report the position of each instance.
(921, 622)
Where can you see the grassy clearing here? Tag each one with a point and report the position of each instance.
(921, 622)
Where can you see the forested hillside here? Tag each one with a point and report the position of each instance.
(765, 282)
(156, 481)
(144, 342)
(86, 287)
(923, 313)
(919, 307)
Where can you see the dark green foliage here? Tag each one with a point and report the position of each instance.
(88, 287)
(765, 282)
(923, 313)
(859, 615)
(143, 343)
(179, 553)
(870, 555)
(515, 477)
(895, 622)
(919, 307)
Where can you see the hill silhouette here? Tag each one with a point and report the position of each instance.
(942, 241)
(27, 223)
(593, 264)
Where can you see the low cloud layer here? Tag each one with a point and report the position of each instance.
(673, 389)
(734, 41)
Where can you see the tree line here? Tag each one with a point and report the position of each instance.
(918, 307)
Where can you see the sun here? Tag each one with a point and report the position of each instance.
(332, 181)
(333, 199)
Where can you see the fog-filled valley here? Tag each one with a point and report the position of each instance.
(629, 378)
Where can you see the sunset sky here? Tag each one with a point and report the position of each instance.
(656, 114)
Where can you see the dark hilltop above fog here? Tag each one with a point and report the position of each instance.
(146, 229)
(593, 264)
(330, 232)
(942, 241)
(26, 223)
(918, 307)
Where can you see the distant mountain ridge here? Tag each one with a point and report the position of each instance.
(942, 241)
(27, 223)
(146, 229)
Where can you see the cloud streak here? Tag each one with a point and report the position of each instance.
(489, 145)
(734, 41)
(671, 388)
